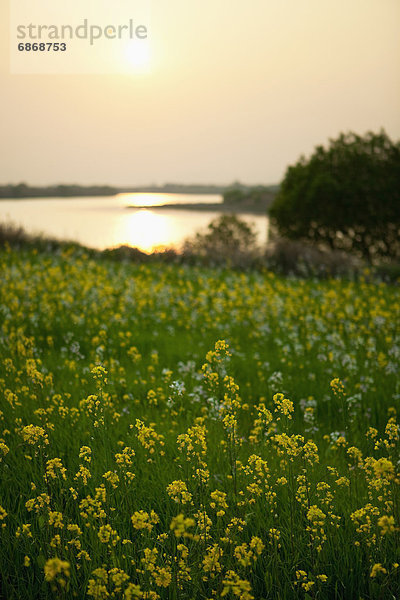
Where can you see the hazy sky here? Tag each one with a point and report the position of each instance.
(233, 90)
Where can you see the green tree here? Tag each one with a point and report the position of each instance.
(346, 196)
(227, 240)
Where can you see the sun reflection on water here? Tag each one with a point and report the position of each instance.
(145, 229)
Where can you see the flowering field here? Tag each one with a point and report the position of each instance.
(182, 433)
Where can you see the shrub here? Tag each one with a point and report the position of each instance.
(228, 240)
(301, 259)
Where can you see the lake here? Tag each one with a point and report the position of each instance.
(106, 222)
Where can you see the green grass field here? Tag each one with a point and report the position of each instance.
(184, 433)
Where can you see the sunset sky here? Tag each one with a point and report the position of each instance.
(232, 90)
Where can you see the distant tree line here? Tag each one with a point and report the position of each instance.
(22, 190)
(178, 188)
(235, 193)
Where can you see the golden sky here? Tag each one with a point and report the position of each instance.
(232, 90)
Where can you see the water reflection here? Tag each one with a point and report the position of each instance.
(106, 222)
(144, 229)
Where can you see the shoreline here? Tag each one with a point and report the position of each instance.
(201, 206)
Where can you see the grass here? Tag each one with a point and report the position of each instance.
(181, 432)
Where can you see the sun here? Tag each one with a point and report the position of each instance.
(137, 55)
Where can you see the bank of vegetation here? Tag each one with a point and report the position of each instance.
(186, 431)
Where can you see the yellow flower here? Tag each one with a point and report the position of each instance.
(56, 519)
(372, 432)
(125, 458)
(86, 453)
(83, 554)
(256, 545)
(274, 536)
(376, 569)
(99, 375)
(307, 585)
(310, 451)
(34, 435)
(283, 406)
(83, 474)
(219, 502)
(142, 520)
(54, 567)
(98, 585)
(281, 481)
(211, 560)
(112, 478)
(149, 559)
(162, 576)
(343, 481)
(38, 503)
(386, 524)
(148, 437)
(55, 542)
(132, 591)
(4, 449)
(243, 555)
(177, 490)
(117, 577)
(239, 587)
(107, 534)
(180, 524)
(52, 466)
(383, 468)
(75, 529)
(337, 386)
